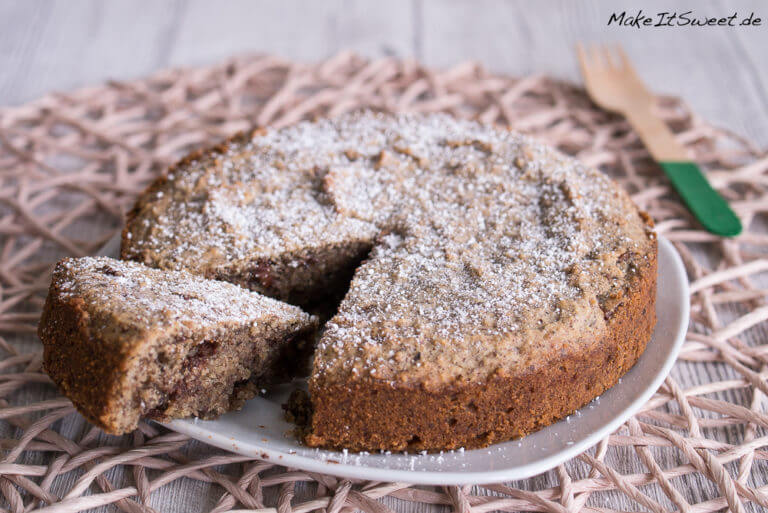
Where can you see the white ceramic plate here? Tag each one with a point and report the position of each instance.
(259, 429)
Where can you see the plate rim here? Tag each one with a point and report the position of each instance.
(512, 472)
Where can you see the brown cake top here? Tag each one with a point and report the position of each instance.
(493, 250)
(148, 299)
(253, 199)
(497, 253)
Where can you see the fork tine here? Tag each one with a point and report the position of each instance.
(629, 69)
(598, 59)
(626, 64)
(581, 54)
(612, 58)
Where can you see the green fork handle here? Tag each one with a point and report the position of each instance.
(707, 204)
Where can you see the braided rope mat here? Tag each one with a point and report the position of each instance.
(71, 164)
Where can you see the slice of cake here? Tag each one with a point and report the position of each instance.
(124, 341)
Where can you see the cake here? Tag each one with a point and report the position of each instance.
(124, 341)
(496, 284)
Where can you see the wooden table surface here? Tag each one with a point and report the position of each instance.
(59, 45)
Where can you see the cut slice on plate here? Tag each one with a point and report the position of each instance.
(124, 341)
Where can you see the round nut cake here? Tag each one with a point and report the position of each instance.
(496, 284)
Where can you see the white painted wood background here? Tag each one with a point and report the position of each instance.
(50, 45)
(58, 45)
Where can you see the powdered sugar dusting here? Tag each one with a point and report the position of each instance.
(485, 241)
(148, 298)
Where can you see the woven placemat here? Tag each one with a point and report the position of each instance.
(71, 164)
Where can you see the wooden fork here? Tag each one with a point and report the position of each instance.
(613, 84)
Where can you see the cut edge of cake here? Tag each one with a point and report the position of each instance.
(137, 359)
